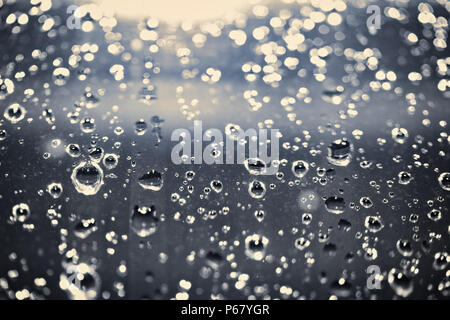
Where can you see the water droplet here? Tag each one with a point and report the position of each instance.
(21, 212)
(14, 113)
(306, 218)
(81, 282)
(335, 205)
(257, 189)
(90, 99)
(190, 175)
(344, 225)
(404, 177)
(341, 288)
(233, 131)
(300, 168)
(140, 127)
(435, 215)
(330, 249)
(214, 259)
(339, 152)
(302, 243)
(259, 215)
(404, 247)
(400, 135)
(85, 228)
(402, 285)
(60, 76)
(441, 260)
(55, 190)
(216, 185)
(110, 161)
(444, 181)
(373, 224)
(87, 125)
(95, 154)
(3, 134)
(6, 88)
(73, 150)
(255, 247)
(255, 166)
(366, 202)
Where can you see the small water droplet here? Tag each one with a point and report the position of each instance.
(373, 224)
(400, 135)
(257, 189)
(402, 284)
(21, 212)
(339, 152)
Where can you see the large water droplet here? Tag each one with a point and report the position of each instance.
(255, 246)
(335, 205)
(21, 212)
(144, 220)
